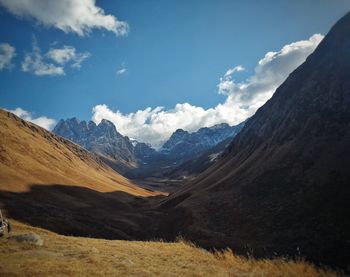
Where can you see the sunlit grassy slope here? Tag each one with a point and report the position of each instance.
(73, 256)
(30, 155)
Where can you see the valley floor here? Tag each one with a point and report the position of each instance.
(74, 256)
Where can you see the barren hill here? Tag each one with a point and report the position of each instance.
(31, 155)
(50, 182)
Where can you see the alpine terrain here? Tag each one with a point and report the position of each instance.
(282, 185)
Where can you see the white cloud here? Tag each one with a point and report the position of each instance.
(62, 55)
(7, 52)
(43, 121)
(34, 62)
(79, 58)
(155, 125)
(70, 16)
(67, 54)
(54, 61)
(270, 72)
(122, 71)
(230, 71)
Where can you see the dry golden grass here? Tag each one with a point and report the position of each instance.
(31, 155)
(72, 256)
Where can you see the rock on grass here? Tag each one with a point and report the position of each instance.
(30, 238)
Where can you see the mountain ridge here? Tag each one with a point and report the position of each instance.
(282, 184)
(102, 139)
(139, 161)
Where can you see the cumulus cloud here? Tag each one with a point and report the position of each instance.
(34, 62)
(53, 62)
(70, 16)
(270, 72)
(43, 121)
(7, 52)
(67, 54)
(155, 125)
(230, 71)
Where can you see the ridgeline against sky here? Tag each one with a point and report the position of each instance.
(153, 67)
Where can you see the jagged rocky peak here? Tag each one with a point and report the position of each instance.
(216, 127)
(91, 125)
(180, 132)
(178, 136)
(102, 139)
(143, 151)
(73, 120)
(105, 122)
(182, 141)
(220, 126)
(107, 128)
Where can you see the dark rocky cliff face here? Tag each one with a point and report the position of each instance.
(283, 185)
(102, 139)
(183, 145)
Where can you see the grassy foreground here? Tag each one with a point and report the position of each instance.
(73, 256)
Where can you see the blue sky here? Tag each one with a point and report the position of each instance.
(174, 52)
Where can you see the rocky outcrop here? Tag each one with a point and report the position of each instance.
(183, 145)
(102, 139)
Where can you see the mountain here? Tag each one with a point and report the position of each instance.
(102, 139)
(189, 169)
(141, 162)
(183, 145)
(183, 156)
(282, 186)
(144, 152)
(51, 182)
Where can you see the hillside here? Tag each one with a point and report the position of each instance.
(50, 182)
(30, 155)
(283, 183)
(68, 256)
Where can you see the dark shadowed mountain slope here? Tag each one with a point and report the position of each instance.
(283, 185)
(143, 152)
(198, 163)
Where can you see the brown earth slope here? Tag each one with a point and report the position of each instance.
(283, 185)
(31, 155)
(51, 182)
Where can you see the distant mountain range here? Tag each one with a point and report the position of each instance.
(139, 160)
(182, 144)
